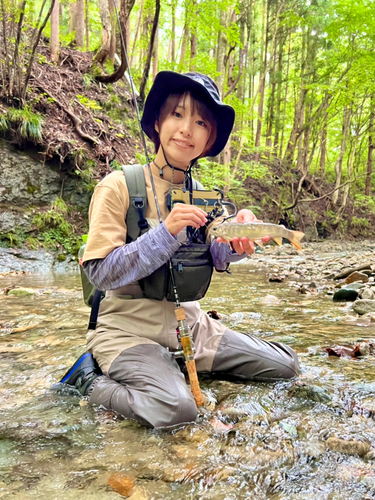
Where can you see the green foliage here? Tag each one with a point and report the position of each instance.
(364, 202)
(88, 103)
(54, 230)
(360, 223)
(12, 239)
(25, 122)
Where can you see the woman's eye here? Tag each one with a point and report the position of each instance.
(201, 123)
(177, 114)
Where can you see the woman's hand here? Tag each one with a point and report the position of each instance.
(244, 245)
(183, 215)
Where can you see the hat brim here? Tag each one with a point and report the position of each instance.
(169, 82)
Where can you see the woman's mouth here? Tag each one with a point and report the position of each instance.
(182, 144)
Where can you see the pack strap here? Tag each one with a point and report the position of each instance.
(135, 219)
(95, 309)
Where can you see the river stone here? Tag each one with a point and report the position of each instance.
(22, 292)
(345, 294)
(353, 286)
(313, 392)
(270, 300)
(364, 306)
(348, 447)
(356, 277)
(367, 293)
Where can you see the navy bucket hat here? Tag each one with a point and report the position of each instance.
(204, 88)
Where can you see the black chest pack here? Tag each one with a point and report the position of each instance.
(192, 264)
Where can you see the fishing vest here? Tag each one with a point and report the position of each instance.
(192, 264)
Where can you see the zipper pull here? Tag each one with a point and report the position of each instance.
(180, 267)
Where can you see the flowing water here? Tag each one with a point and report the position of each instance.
(253, 440)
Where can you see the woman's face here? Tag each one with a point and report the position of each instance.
(183, 133)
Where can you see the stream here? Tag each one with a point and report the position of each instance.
(310, 438)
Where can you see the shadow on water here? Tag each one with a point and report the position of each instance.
(283, 440)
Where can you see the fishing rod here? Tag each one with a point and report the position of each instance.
(183, 330)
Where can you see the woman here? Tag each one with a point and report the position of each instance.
(136, 336)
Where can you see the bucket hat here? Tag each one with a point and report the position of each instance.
(202, 86)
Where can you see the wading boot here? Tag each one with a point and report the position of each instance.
(83, 373)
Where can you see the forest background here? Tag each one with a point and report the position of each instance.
(299, 73)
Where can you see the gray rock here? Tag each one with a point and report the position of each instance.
(353, 286)
(363, 306)
(366, 293)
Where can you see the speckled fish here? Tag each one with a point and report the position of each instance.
(255, 231)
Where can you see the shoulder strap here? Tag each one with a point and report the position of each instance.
(135, 218)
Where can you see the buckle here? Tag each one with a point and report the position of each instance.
(138, 202)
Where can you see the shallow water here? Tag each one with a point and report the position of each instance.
(254, 440)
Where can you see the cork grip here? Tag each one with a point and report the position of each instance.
(194, 382)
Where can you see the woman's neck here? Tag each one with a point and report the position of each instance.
(162, 169)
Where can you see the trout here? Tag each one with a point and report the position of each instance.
(255, 231)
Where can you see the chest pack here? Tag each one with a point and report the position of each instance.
(192, 263)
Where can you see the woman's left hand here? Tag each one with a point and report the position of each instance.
(244, 245)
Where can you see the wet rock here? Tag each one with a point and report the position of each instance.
(192, 434)
(348, 447)
(345, 294)
(312, 392)
(270, 300)
(22, 292)
(356, 277)
(354, 286)
(346, 272)
(139, 493)
(314, 449)
(121, 484)
(364, 349)
(364, 306)
(370, 316)
(367, 293)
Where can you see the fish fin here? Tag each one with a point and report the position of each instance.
(279, 241)
(259, 243)
(296, 239)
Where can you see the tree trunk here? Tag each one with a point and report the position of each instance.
(173, 39)
(55, 33)
(80, 29)
(72, 17)
(262, 84)
(371, 146)
(139, 20)
(193, 36)
(87, 25)
(184, 42)
(146, 71)
(125, 9)
(155, 54)
(103, 52)
(338, 164)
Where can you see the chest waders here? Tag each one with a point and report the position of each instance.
(187, 275)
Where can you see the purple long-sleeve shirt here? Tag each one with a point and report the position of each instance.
(140, 258)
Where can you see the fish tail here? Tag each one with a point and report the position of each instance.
(279, 241)
(295, 239)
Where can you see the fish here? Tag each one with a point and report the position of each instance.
(255, 231)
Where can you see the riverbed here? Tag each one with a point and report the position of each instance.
(309, 438)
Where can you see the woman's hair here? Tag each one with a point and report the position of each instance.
(197, 106)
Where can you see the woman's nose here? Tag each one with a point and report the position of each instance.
(186, 127)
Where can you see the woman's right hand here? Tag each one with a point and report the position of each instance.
(183, 215)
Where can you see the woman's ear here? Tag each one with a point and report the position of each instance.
(157, 127)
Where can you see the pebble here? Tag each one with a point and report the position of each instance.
(348, 447)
